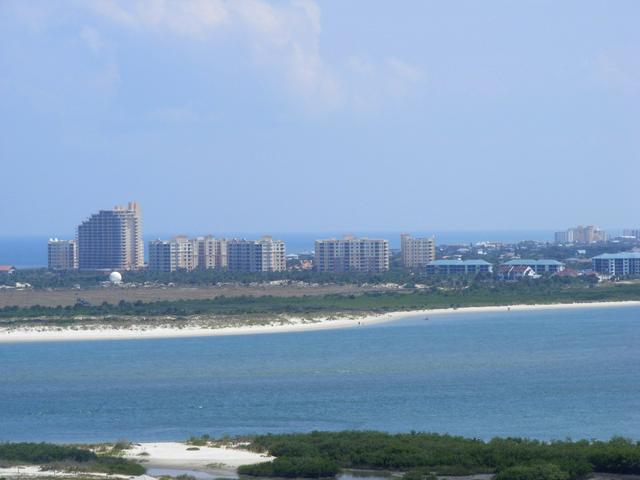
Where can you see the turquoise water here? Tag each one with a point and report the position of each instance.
(544, 374)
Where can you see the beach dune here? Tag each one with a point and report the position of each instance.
(183, 456)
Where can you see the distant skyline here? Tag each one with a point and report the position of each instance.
(309, 116)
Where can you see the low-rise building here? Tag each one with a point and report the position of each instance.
(515, 272)
(458, 267)
(632, 232)
(540, 267)
(617, 264)
(7, 269)
(62, 254)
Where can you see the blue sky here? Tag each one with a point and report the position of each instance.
(311, 116)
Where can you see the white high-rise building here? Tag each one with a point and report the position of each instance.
(417, 252)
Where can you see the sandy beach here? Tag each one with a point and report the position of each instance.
(79, 333)
(175, 455)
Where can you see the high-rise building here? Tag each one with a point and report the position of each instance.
(210, 252)
(264, 255)
(565, 236)
(184, 252)
(112, 239)
(170, 255)
(582, 235)
(417, 252)
(181, 253)
(62, 254)
(162, 257)
(351, 254)
(632, 232)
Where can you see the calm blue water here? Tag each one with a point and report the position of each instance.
(544, 374)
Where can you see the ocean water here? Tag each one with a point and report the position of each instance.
(31, 251)
(542, 374)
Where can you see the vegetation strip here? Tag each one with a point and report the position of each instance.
(67, 458)
(422, 455)
(541, 292)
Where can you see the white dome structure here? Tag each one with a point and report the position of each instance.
(115, 277)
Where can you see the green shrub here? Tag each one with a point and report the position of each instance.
(540, 471)
(419, 474)
(293, 467)
(66, 457)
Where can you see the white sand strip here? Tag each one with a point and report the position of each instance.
(179, 455)
(42, 334)
(33, 471)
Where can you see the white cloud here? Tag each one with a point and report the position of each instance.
(92, 38)
(618, 70)
(402, 70)
(283, 38)
(195, 18)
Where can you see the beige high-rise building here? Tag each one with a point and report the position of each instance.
(582, 234)
(62, 254)
(264, 255)
(210, 252)
(417, 252)
(351, 254)
(112, 239)
(182, 253)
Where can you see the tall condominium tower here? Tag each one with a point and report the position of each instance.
(352, 254)
(417, 252)
(264, 255)
(170, 255)
(581, 234)
(181, 253)
(62, 254)
(112, 239)
(210, 252)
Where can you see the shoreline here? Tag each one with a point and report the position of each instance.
(182, 457)
(82, 333)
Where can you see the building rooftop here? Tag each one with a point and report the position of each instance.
(618, 256)
(459, 262)
(528, 261)
(504, 268)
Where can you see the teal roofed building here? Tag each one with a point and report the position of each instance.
(617, 264)
(458, 267)
(540, 267)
